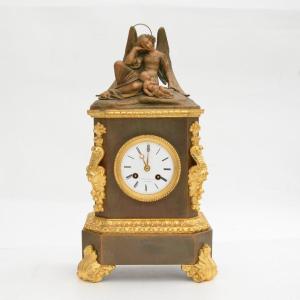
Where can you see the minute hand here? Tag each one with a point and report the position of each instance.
(146, 166)
(148, 150)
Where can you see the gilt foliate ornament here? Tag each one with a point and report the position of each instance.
(146, 169)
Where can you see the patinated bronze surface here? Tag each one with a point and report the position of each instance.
(143, 102)
(147, 249)
(169, 230)
(143, 65)
(177, 203)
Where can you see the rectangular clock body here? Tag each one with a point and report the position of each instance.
(175, 131)
(124, 230)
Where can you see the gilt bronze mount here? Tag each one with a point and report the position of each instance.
(146, 170)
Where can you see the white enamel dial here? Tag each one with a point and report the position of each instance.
(147, 168)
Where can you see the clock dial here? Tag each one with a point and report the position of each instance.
(147, 168)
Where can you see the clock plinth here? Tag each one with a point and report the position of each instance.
(146, 171)
(147, 241)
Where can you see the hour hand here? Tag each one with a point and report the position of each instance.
(141, 155)
(134, 175)
(158, 177)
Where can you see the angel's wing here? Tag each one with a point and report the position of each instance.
(162, 45)
(131, 41)
(165, 72)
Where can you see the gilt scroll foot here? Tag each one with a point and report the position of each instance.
(89, 269)
(205, 269)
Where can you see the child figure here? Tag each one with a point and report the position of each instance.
(151, 88)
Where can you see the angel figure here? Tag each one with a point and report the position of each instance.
(142, 67)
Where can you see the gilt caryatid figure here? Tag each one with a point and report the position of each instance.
(143, 65)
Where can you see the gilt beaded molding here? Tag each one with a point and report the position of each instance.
(145, 113)
(159, 226)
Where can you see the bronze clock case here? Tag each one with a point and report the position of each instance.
(122, 230)
(175, 131)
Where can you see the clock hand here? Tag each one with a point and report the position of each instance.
(164, 179)
(146, 166)
(148, 150)
(134, 175)
(158, 177)
(142, 156)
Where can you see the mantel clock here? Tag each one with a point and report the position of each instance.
(146, 170)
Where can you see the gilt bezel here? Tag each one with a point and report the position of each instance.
(166, 190)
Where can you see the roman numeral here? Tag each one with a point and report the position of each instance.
(138, 150)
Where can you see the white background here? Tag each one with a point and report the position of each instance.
(240, 60)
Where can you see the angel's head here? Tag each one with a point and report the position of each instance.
(146, 41)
